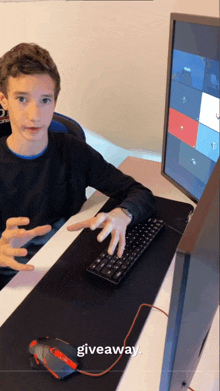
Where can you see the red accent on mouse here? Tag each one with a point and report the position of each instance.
(57, 356)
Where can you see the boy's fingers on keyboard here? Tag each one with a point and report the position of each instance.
(108, 228)
(121, 245)
(114, 242)
(80, 225)
(96, 222)
(91, 223)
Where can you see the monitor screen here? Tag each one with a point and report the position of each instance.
(191, 126)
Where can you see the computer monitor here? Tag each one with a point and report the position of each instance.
(192, 114)
(191, 162)
(195, 291)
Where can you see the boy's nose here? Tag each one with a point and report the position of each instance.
(34, 112)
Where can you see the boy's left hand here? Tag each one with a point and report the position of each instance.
(114, 222)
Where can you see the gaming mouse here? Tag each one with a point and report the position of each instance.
(55, 355)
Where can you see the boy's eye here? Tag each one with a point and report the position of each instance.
(21, 99)
(46, 100)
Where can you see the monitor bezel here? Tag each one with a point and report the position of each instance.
(177, 17)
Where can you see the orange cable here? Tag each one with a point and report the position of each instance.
(124, 344)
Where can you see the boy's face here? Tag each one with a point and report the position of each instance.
(30, 104)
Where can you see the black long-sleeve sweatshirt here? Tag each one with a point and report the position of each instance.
(52, 186)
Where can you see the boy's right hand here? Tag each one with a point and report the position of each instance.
(13, 238)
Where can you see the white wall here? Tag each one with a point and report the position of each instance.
(112, 57)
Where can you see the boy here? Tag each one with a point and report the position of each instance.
(43, 175)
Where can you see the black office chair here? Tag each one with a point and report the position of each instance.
(60, 123)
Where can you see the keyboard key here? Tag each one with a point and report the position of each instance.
(107, 272)
(115, 267)
(117, 275)
(112, 262)
(101, 265)
(123, 267)
(93, 265)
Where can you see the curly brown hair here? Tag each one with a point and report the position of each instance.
(27, 59)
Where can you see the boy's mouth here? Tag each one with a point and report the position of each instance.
(33, 129)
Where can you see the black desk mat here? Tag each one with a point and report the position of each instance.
(71, 305)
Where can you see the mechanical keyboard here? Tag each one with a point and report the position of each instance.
(138, 239)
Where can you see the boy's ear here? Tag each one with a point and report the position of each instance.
(3, 101)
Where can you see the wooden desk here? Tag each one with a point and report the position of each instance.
(149, 174)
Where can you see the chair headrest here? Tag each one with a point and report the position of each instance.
(5, 127)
